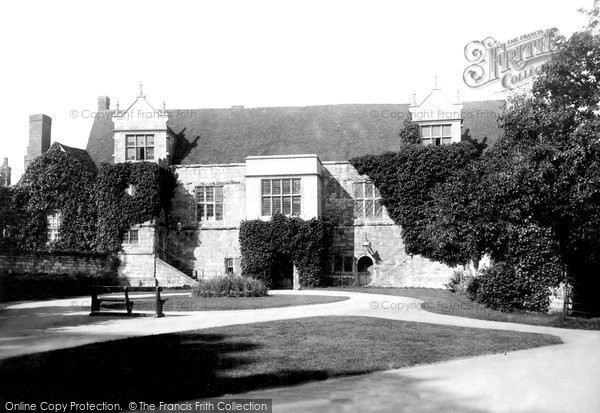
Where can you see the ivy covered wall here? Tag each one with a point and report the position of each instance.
(93, 204)
(267, 245)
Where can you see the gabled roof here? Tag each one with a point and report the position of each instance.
(76, 153)
(333, 132)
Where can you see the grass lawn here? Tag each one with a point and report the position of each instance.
(233, 359)
(184, 303)
(446, 302)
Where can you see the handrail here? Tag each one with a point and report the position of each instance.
(179, 260)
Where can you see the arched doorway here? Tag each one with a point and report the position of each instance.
(364, 268)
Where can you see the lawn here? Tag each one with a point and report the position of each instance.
(447, 302)
(186, 303)
(233, 359)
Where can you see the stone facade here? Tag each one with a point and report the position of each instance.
(227, 158)
(327, 192)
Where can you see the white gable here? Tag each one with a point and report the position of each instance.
(436, 107)
(141, 115)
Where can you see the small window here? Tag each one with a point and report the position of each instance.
(53, 219)
(338, 263)
(348, 261)
(131, 190)
(209, 203)
(367, 201)
(139, 147)
(229, 267)
(131, 236)
(436, 134)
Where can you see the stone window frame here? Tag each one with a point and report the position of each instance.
(229, 265)
(53, 220)
(140, 150)
(131, 237)
(343, 264)
(209, 203)
(273, 196)
(442, 139)
(367, 201)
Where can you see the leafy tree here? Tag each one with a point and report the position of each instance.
(547, 163)
(532, 202)
(410, 132)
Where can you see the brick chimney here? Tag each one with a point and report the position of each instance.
(103, 103)
(40, 128)
(5, 177)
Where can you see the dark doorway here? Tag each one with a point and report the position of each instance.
(283, 273)
(364, 268)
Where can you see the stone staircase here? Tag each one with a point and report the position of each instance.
(168, 276)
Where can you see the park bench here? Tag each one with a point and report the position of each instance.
(119, 294)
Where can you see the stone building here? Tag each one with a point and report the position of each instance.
(249, 163)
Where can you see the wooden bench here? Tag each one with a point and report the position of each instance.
(117, 294)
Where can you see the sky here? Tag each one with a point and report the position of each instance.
(59, 56)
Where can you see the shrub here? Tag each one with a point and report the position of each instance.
(459, 282)
(15, 287)
(471, 288)
(503, 287)
(230, 286)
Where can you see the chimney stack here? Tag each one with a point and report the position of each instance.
(40, 129)
(5, 169)
(103, 103)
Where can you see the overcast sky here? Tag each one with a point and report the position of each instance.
(59, 56)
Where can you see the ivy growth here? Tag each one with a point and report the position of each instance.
(93, 205)
(53, 183)
(407, 180)
(152, 185)
(264, 244)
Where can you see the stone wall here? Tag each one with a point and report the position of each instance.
(395, 268)
(206, 245)
(42, 262)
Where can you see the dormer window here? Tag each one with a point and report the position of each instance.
(139, 147)
(436, 135)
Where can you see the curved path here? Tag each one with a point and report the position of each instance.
(558, 378)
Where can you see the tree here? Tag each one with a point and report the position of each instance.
(532, 202)
(410, 132)
(546, 166)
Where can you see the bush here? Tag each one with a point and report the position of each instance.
(230, 286)
(503, 287)
(16, 287)
(460, 282)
